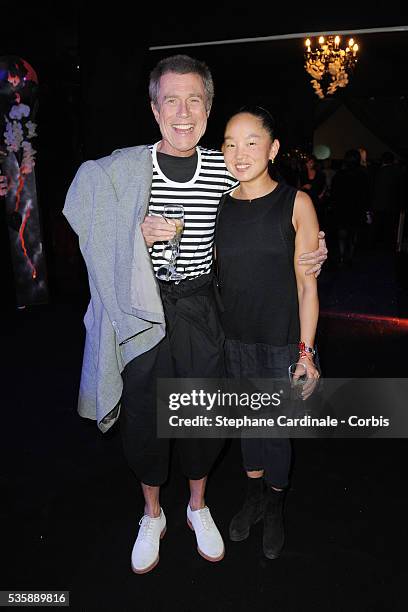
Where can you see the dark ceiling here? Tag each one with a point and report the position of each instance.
(47, 26)
(111, 46)
(228, 21)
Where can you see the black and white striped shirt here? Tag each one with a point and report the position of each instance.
(200, 197)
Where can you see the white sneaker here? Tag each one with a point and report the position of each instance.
(145, 553)
(209, 541)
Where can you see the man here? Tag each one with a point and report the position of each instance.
(387, 201)
(181, 92)
(350, 197)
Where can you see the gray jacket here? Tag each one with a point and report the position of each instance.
(105, 205)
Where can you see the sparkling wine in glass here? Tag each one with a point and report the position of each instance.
(171, 249)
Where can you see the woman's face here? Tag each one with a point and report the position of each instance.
(248, 147)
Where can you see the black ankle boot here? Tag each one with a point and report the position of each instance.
(273, 534)
(250, 513)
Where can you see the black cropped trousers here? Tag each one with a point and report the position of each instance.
(192, 348)
(272, 455)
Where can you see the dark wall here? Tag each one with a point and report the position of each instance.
(112, 53)
(87, 112)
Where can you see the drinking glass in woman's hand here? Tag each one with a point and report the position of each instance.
(298, 378)
(303, 377)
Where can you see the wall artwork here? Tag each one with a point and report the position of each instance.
(18, 107)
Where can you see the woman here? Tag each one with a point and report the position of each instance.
(313, 182)
(271, 306)
(350, 198)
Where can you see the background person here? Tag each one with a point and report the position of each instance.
(350, 195)
(313, 182)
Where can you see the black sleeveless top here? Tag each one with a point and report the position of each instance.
(255, 242)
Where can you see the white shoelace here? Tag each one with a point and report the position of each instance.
(146, 528)
(206, 518)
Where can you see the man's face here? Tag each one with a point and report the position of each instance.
(181, 113)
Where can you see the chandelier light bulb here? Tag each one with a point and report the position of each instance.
(351, 42)
(321, 40)
(307, 43)
(337, 40)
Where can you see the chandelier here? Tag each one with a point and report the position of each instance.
(329, 64)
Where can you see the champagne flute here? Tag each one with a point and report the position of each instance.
(298, 378)
(302, 386)
(171, 249)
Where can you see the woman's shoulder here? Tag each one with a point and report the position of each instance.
(302, 202)
(286, 188)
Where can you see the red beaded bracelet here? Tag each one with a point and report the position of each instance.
(305, 351)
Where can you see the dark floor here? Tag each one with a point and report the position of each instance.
(70, 506)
